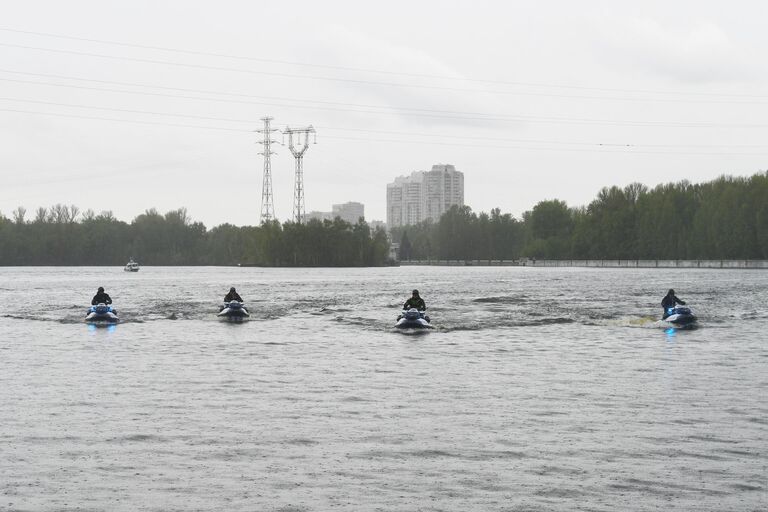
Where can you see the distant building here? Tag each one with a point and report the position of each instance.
(377, 224)
(349, 212)
(405, 200)
(321, 216)
(394, 251)
(424, 195)
(444, 187)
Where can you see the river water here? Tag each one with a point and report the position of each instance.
(540, 390)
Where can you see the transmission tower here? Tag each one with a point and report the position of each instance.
(299, 213)
(267, 200)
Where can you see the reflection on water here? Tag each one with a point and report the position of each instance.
(109, 327)
(539, 389)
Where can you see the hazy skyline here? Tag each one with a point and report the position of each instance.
(530, 102)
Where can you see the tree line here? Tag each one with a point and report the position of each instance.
(62, 235)
(726, 218)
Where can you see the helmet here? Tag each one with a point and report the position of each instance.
(101, 289)
(415, 292)
(671, 292)
(232, 289)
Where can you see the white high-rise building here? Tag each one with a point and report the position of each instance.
(349, 212)
(424, 195)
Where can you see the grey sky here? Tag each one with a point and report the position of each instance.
(532, 101)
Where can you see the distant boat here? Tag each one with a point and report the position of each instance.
(131, 266)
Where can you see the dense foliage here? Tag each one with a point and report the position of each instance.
(723, 219)
(61, 236)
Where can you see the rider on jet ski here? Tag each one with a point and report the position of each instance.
(232, 295)
(669, 301)
(415, 302)
(101, 297)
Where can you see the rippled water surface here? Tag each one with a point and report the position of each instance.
(540, 389)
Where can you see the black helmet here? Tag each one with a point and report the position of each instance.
(416, 292)
(101, 289)
(671, 292)
(232, 289)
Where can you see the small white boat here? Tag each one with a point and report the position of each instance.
(131, 266)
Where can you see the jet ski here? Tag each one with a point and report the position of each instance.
(413, 319)
(680, 316)
(234, 311)
(101, 313)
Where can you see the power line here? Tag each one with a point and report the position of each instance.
(369, 70)
(483, 117)
(377, 140)
(242, 95)
(630, 147)
(389, 132)
(128, 111)
(543, 141)
(223, 100)
(361, 82)
(118, 120)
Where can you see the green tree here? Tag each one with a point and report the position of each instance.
(550, 225)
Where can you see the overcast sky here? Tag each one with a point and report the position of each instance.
(531, 100)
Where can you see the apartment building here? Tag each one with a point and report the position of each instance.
(424, 195)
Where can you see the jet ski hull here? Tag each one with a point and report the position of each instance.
(109, 318)
(233, 312)
(233, 317)
(413, 324)
(413, 319)
(681, 317)
(101, 314)
(682, 320)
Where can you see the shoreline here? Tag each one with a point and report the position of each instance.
(636, 263)
(680, 264)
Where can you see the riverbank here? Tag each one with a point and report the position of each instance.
(730, 264)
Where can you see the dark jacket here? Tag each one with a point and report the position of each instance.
(101, 298)
(232, 296)
(415, 302)
(669, 301)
